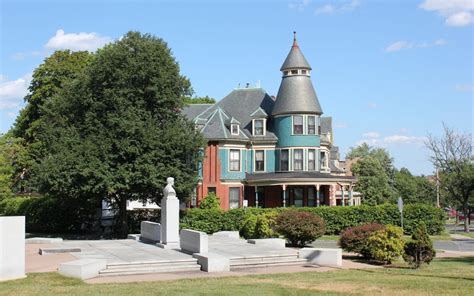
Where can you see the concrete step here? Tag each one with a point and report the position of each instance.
(131, 265)
(239, 265)
(146, 270)
(264, 258)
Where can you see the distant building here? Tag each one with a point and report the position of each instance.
(272, 152)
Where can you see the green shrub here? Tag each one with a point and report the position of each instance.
(258, 226)
(206, 220)
(136, 216)
(354, 239)
(299, 228)
(211, 201)
(386, 244)
(419, 249)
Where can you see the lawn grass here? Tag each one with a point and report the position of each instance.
(445, 276)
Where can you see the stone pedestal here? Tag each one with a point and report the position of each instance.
(169, 217)
(12, 248)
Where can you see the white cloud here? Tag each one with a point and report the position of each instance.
(403, 139)
(335, 8)
(371, 135)
(468, 87)
(12, 92)
(340, 125)
(77, 41)
(372, 105)
(372, 139)
(401, 45)
(299, 5)
(457, 13)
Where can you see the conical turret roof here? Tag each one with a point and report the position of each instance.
(296, 94)
(295, 58)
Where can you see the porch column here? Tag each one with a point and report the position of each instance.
(256, 196)
(332, 195)
(318, 202)
(284, 195)
(342, 195)
(351, 203)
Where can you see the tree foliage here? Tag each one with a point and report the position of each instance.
(199, 100)
(211, 201)
(372, 181)
(419, 249)
(452, 155)
(386, 244)
(116, 133)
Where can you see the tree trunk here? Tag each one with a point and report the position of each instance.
(465, 209)
(122, 221)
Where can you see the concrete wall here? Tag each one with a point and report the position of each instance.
(12, 247)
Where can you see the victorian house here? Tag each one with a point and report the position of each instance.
(264, 151)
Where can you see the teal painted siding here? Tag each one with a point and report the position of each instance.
(283, 130)
(224, 159)
(270, 159)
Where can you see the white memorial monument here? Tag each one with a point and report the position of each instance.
(169, 217)
(12, 248)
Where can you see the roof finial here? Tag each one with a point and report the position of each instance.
(295, 44)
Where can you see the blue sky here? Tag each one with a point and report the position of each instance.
(388, 72)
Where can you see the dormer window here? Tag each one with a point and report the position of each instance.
(259, 127)
(234, 129)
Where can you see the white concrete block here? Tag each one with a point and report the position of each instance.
(150, 231)
(43, 240)
(12, 247)
(83, 269)
(193, 241)
(269, 242)
(322, 256)
(169, 220)
(231, 234)
(212, 262)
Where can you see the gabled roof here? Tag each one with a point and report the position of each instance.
(259, 113)
(193, 110)
(216, 128)
(295, 58)
(233, 120)
(240, 104)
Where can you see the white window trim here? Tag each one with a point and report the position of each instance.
(264, 127)
(315, 125)
(279, 158)
(302, 156)
(307, 160)
(240, 160)
(255, 161)
(240, 193)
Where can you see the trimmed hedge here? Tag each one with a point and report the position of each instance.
(50, 215)
(336, 218)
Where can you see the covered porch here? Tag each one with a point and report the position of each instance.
(305, 189)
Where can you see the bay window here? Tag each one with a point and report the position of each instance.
(298, 159)
(260, 160)
(284, 160)
(298, 125)
(311, 160)
(234, 160)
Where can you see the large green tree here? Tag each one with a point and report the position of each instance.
(117, 132)
(199, 100)
(372, 181)
(452, 155)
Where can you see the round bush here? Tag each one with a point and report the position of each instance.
(211, 201)
(386, 244)
(257, 226)
(354, 239)
(299, 228)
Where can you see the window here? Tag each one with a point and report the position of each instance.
(211, 190)
(311, 125)
(311, 197)
(260, 160)
(234, 197)
(303, 71)
(311, 160)
(284, 160)
(293, 72)
(234, 129)
(234, 163)
(258, 127)
(323, 159)
(285, 73)
(298, 197)
(298, 125)
(298, 160)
